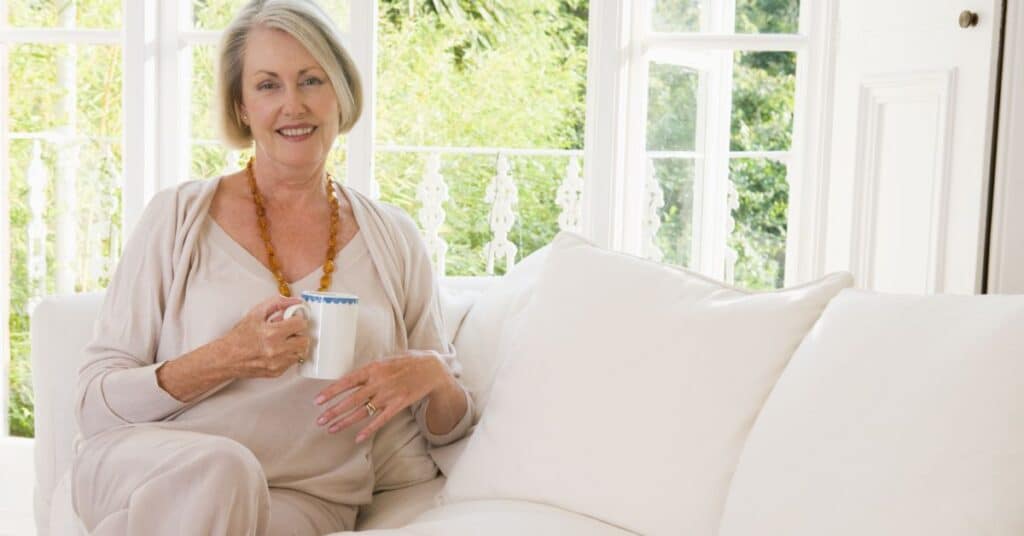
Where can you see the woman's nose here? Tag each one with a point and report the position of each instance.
(294, 102)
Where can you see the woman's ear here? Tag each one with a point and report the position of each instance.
(243, 116)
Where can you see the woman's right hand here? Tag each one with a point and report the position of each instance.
(262, 347)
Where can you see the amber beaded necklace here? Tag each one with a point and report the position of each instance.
(261, 218)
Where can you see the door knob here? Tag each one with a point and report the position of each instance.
(968, 19)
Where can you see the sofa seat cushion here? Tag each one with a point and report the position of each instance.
(500, 518)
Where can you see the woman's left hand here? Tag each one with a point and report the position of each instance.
(388, 387)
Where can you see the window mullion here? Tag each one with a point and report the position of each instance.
(808, 169)
(714, 202)
(610, 48)
(632, 191)
(363, 47)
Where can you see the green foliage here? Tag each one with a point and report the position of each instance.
(762, 120)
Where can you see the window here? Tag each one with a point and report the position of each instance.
(61, 148)
(711, 100)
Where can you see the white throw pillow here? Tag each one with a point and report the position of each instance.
(898, 415)
(480, 335)
(629, 388)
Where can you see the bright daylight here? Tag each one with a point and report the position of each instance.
(549, 267)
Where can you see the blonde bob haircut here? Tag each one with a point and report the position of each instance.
(313, 29)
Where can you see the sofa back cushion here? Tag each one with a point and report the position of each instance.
(898, 415)
(628, 388)
(480, 335)
(61, 327)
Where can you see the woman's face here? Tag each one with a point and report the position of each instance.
(287, 101)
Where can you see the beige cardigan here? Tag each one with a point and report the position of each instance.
(139, 323)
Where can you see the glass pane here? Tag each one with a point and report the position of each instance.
(203, 87)
(92, 83)
(675, 237)
(764, 86)
(67, 131)
(216, 14)
(678, 15)
(519, 83)
(767, 16)
(672, 108)
(93, 14)
(759, 238)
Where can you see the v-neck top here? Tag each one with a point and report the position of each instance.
(209, 282)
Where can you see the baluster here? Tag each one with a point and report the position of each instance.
(432, 193)
(503, 195)
(731, 256)
(569, 197)
(654, 200)
(37, 181)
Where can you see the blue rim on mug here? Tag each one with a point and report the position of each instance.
(310, 296)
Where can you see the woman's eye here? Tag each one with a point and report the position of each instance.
(312, 81)
(265, 85)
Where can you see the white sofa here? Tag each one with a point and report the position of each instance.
(620, 397)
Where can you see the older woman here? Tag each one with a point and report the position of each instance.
(195, 421)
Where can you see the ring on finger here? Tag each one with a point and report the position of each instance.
(370, 408)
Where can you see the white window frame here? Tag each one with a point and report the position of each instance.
(621, 46)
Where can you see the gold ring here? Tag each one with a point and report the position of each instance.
(370, 408)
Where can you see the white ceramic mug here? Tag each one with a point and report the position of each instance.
(333, 318)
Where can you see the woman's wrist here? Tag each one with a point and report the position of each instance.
(194, 373)
(445, 384)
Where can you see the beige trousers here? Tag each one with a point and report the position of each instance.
(152, 481)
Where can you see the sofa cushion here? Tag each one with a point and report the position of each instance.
(629, 388)
(898, 415)
(480, 334)
(500, 518)
(61, 327)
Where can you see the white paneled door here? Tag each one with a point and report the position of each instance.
(911, 142)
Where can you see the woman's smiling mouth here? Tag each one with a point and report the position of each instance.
(296, 133)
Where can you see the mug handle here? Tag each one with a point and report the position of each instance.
(290, 312)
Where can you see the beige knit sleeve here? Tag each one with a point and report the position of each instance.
(425, 325)
(117, 381)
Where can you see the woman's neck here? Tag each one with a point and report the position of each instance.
(289, 187)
